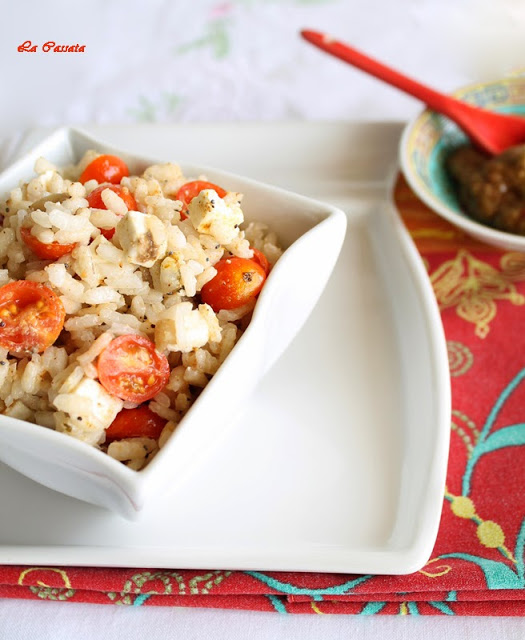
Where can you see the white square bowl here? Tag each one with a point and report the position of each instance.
(312, 234)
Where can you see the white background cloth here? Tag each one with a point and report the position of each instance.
(237, 60)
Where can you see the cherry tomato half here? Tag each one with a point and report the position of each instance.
(260, 258)
(132, 369)
(191, 190)
(51, 251)
(31, 316)
(105, 168)
(237, 282)
(135, 423)
(95, 202)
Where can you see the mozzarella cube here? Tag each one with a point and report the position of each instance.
(143, 238)
(87, 411)
(182, 328)
(209, 214)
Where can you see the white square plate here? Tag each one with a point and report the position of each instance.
(342, 468)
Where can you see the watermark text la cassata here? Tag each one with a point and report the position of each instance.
(50, 46)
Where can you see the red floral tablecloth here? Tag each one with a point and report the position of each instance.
(477, 566)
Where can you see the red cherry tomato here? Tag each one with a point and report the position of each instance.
(192, 189)
(135, 423)
(237, 282)
(132, 369)
(31, 316)
(95, 202)
(105, 168)
(260, 258)
(51, 251)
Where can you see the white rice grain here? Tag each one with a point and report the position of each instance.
(19, 410)
(46, 236)
(71, 381)
(163, 412)
(195, 377)
(182, 402)
(232, 315)
(76, 190)
(70, 306)
(31, 378)
(64, 282)
(114, 202)
(41, 218)
(102, 295)
(83, 322)
(131, 448)
(54, 360)
(162, 399)
(4, 372)
(204, 277)
(176, 382)
(166, 432)
(104, 218)
(7, 237)
(95, 349)
(42, 165)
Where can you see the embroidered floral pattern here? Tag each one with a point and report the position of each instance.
(472, 287)
(460, 358)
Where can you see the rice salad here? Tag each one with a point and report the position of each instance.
(120, 297)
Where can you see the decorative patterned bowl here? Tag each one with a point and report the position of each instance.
(428, 139)
(312, 234)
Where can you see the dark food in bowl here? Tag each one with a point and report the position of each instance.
(491, 189)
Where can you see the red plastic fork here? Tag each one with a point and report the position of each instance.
(493, 132)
